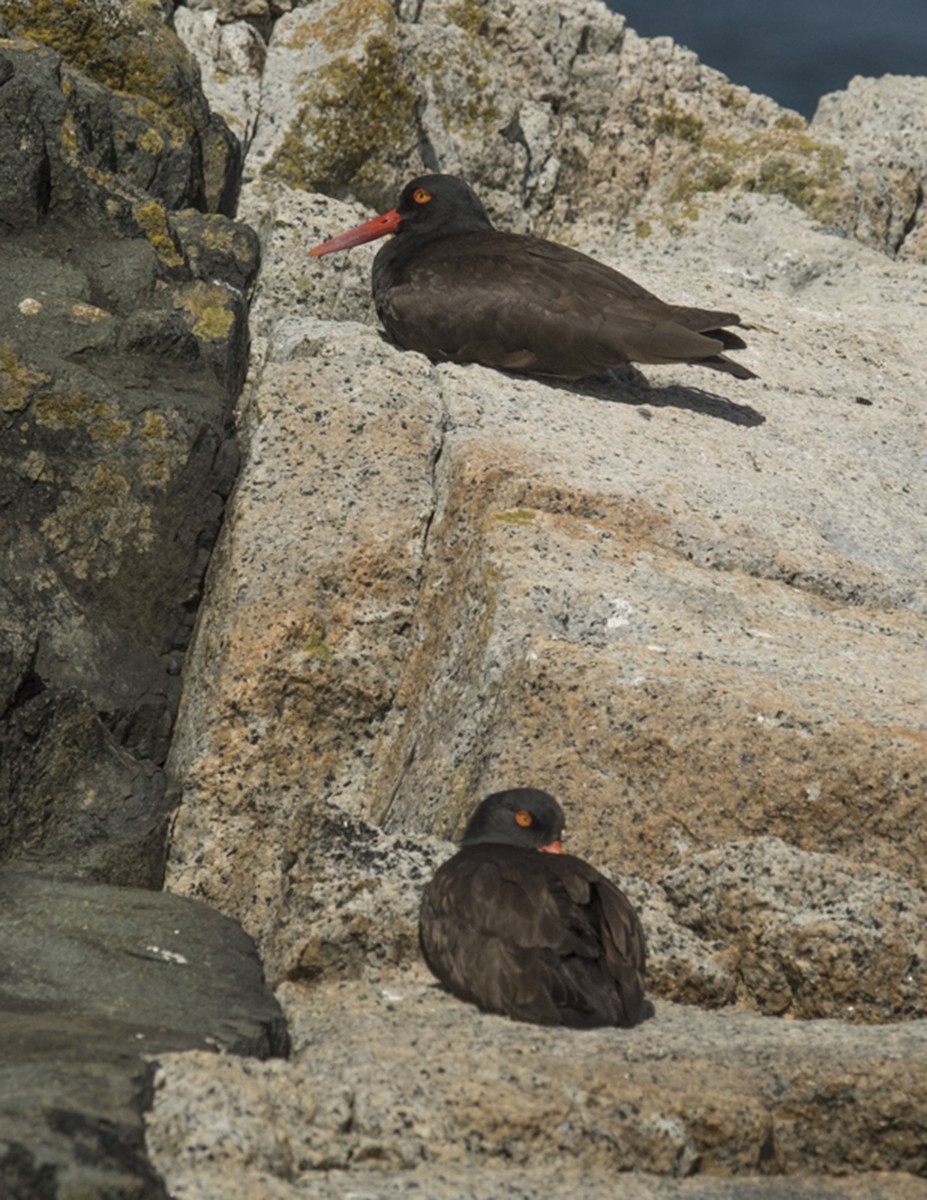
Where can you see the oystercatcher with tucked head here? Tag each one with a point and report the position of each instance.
(451, 286)
(517, 927)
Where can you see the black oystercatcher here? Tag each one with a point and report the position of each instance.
(454, 288)
(536, 937)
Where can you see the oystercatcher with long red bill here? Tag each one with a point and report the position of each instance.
(451, 286)
(539, 937)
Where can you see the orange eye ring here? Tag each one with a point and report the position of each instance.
(420, 196)
(524, 818)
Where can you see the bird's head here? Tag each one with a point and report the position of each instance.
(519, 817)
(430, 207)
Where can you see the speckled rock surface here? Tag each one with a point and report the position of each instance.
(231, 55)
(693, 610)
(396, 1085)
(652, 599)
(557, 111)
(810, 935)
(882, 127)
(696, 615)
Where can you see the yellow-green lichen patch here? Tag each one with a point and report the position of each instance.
(158, 449)
(782, 160)
(36, 469)
(490, 579)
(217, 233)
(69, 141)
(672, 121)
(148, 111)
(461, 77)
(343, 26)
(356, 116)
(152, 220)
(17, 379)
(793, 121)
(477, 113)
(733, 97)
(315, 646)
(154, 427)
(97, 516)
(209, 311)
(77, 410)
(468, 15)
(152, 142)
(518, 516)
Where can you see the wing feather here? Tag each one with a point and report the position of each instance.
(541, 938)
(525, 304)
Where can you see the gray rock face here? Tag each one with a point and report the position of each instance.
(96, 982)
(882, 128)
(395, 1087)
(231, 54)
(809, 934)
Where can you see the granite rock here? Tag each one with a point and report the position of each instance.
(881, 127)
(456, 1103)
(231, 55)
(692, 608)
(808, 935)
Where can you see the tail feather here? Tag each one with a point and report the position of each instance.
(719, 363)
(712, 324)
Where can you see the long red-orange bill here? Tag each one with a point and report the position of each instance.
(368, 232)
(555, 847)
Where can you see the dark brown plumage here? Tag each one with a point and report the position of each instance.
(539, 937)
(454, 288)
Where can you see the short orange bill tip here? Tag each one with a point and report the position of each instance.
(555, 847)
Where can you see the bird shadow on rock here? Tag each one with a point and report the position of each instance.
(629, 386)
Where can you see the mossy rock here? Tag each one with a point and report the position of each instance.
(356, 117)
(780, 160)
(124, 46)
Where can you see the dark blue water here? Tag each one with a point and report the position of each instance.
(792, 50)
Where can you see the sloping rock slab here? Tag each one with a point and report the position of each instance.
(92, 979)
(397, 1089)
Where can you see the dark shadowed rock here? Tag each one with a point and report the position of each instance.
(95, 980)
(123, 347)
(123, 344)
(69, 793)
(131, 106)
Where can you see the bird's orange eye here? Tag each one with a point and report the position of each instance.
(523, 818)
(420, 196)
